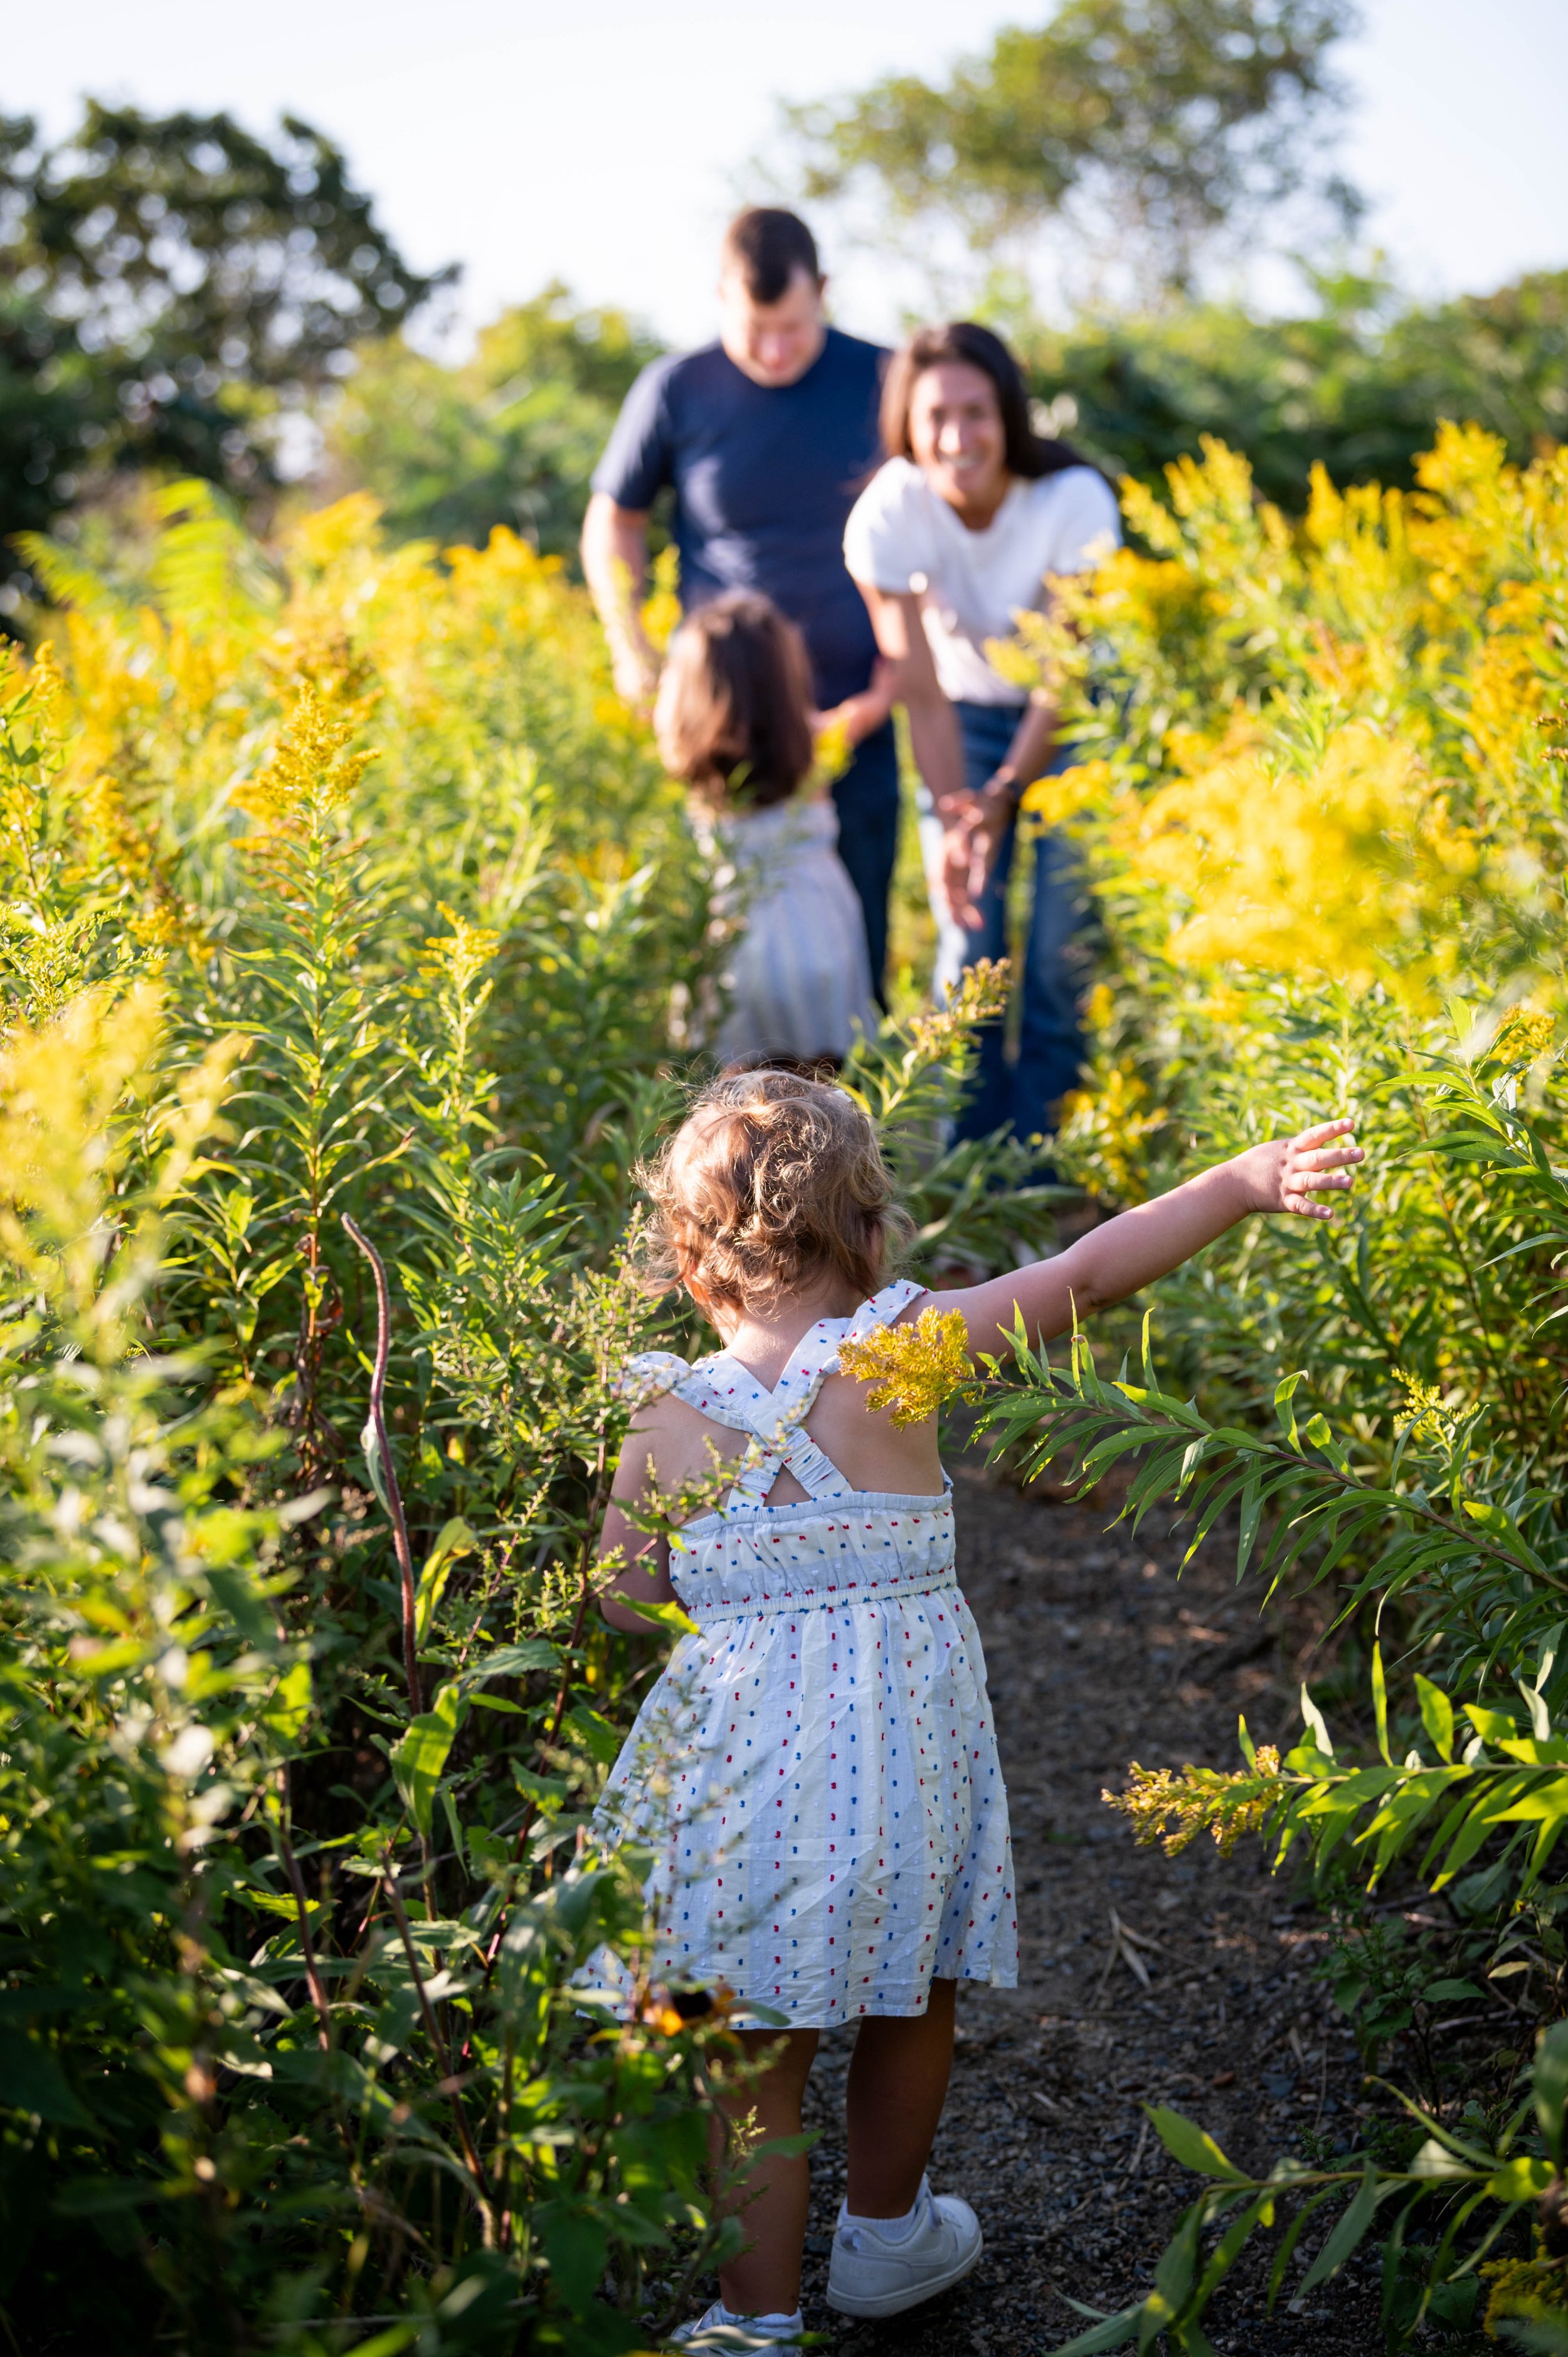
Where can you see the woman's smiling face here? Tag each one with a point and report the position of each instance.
(956, 435)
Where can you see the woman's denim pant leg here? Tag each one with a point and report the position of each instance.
(1021, 1095)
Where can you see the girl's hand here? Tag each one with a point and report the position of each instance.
(1288, 1173)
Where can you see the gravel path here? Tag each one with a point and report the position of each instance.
(1099, 1656)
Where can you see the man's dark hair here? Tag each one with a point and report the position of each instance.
(767, 245)
(1028, 454)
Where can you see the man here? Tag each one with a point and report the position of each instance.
(766, 437)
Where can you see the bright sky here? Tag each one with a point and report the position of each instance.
(606, 143)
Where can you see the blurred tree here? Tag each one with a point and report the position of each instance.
(1150, 128)
(177, 288)
(1357, 386)
(55, 404)
(510, 437)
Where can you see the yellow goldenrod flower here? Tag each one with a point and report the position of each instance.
(912, 1369)
(1423, 1405)
(981, 997)
(1173, 1807)
(1524, 1034)
(312, 774)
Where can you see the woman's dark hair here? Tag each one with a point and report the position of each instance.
(736, 704)
(1028, 454)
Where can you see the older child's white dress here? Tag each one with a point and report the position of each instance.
(816, 1769)
(798, 974)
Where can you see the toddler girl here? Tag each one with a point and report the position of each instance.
(733, 718)
(816, 1769)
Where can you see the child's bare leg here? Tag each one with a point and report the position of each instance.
(898, 2082)
(766, 2280)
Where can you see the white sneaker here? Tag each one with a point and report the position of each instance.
(869, 2275)
(715, 2335)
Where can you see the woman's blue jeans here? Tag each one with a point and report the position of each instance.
(1020, 1096)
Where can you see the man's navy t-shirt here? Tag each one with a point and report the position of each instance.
(765, 478)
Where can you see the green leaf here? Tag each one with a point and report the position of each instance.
(1436, 1715)
(668, 1617)
(1492, 1725)
(513, 1661)
(1293, 2234)
(1189, 2143)
(1348, 2231)
(1504, 1529)
(419, 1760)
(1551, 2078)
(1435, 2160)
(598, 1738)
(453, 1539)
(1114, 2333)
(32, 2081)
(371, 1443)
(1316, 1725)
(1251, 1514)
(1174, 2272)
(238, 1596)
(1449, 1992)
(1523, 2178)
(1284, 1392)
(576, 2246)
(286, 1714)
(1381, 1701)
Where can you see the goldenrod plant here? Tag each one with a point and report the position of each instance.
(1321, 799)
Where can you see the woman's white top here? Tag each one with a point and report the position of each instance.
(815, 1773)
(798, 974)
(902, 536)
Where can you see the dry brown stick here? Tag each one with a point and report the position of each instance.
(395, 1494)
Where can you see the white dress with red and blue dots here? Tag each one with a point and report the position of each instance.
(816, 1770)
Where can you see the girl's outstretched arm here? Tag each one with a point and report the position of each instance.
(1137, 1246)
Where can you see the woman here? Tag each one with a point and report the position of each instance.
(951, 539)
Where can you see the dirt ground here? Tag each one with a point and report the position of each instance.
(1097, 1656)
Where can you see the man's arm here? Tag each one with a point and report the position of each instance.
(615, 561)
(1140, 1245)
(933, 733)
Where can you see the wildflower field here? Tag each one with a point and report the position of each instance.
(1324, 805)
(351, 934)
(354, 947)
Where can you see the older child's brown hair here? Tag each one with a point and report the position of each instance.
(771, 1182)
(736, 706)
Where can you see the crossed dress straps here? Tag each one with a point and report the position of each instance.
(720, 1387)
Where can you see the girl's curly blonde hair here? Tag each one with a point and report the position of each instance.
(771, 1182)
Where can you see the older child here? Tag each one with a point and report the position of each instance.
(828, 1802)
(733, 718)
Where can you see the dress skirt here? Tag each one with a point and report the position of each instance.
(816, 1770)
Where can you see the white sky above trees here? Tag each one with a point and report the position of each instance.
(606, 142)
